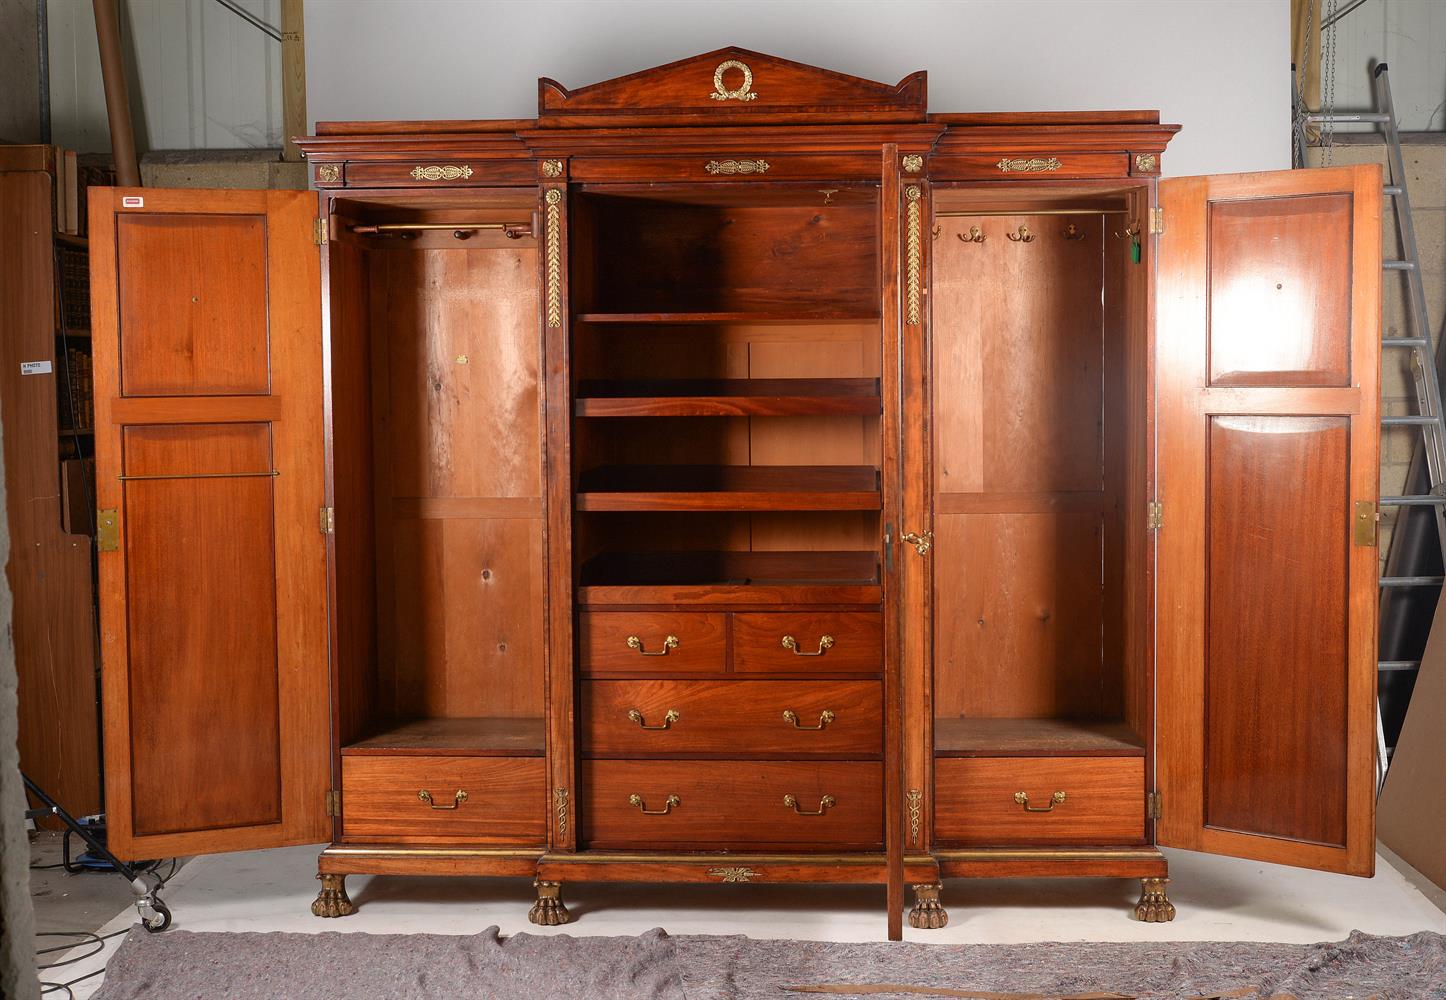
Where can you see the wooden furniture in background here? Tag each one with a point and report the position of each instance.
(48, 480)
(738, 473)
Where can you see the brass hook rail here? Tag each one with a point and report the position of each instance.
(1032, 211)
(512, 230)
(207, 475)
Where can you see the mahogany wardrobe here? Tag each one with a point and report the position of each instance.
(738, 473)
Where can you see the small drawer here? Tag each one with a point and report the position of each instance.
(809, 642)
(773, 718)
(479, 800)
(1001, 801)
(652, 642)
(438, 173)
(719, 805)
(1026, 166)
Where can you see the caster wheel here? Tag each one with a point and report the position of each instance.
(158, 919)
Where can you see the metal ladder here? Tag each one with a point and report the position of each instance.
(1428, 416)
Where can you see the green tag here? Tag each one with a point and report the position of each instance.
(1135, 250)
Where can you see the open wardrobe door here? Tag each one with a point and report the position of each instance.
(1268, 360)
(210, 479)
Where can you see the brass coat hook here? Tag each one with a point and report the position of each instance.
(937, 231)
(975, 236)
(1023, 236)
(1130, 233)
(1073, 233)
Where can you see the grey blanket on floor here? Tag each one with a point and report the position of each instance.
(657, 966)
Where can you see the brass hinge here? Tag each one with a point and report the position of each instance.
(333, 802)
(318, 231)
(107, 530)
(1157, 221)
(1155, 516)
(1152, 805)
(328, 520)
(1365, 523)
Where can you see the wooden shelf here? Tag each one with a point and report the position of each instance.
(1035, 738)
(731, 578)
(474, 737)
(759, 316)
(729, 487)
(758, 397)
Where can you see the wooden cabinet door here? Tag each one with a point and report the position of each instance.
(210, 479)
(1268, 387)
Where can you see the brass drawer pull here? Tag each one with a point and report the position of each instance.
(457, 799)
(671, 642)
(824, 643)
(824, 718)
(637, 800)
(669, 717)
(823, 805)
(1023, 799)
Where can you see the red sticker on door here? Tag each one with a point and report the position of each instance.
(132, 201)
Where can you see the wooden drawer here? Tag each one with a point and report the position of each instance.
(627, 718)
(732, 804)
(1026, 166)
(426, 173)
(975, 804)
(605, 642)
(822, 642)
(506, 799)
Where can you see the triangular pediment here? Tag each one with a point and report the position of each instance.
(733, 86)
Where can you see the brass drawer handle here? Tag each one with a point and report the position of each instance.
(1023, 799)
(637, 800)
(824, 804)
(669, 717)
(671, 642)
(457, 799)
(824, 643)
(824, 718)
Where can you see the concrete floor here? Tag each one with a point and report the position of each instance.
(1218, 899)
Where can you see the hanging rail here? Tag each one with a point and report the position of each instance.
(1032, 211)
(461, 230)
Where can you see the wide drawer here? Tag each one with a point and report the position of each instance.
(480, 800)
(768, 718)
(1098, 800)
(719, 805)
(809, 642)
(620, 642)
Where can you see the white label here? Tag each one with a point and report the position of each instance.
(132, 201)
(35, 368)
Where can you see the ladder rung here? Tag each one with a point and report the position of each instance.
(1391, 190)
(1392, 665)
(1412, 421)
(1347, 118)
(1400, 265)
(1405, 342)
(1413, 501)
(1412, 581)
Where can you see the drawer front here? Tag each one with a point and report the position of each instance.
(438, 173)
(505, 799)
(975, 800)
(810, 642)
(772, 718)
(731, 804)
(735, 167)
(637, 642)
(1026, 166)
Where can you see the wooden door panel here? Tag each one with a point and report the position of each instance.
(1268, 367)
(213, 603)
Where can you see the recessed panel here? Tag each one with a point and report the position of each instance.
(201, 607)
(1280, 291)
(193, 302)
(1278, 535)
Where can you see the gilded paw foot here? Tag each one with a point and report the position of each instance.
(332, 900)
(1154, 906)
(549, 909)
(927, 913)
